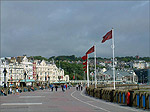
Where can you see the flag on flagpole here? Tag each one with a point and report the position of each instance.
(107, 36)
(85, 67)
(85, 63)
(84, 57)
(90, 50)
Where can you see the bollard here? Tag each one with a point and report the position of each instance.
(140, 97)
(128, 98)
(119, 97)
(93, 93)
(149, 101)
(111, 95)
(143, 101)
(124, 98)
(138, 100)
(131, 98)
(146, 101)
(100, 93)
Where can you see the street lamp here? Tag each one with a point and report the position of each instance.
(5, 71)
(25, 74)
(48, 80)
(59, 77)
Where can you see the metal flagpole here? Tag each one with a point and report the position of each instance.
(95, 64)
(87, 72)
(113, 47)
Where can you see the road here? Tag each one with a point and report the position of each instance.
(68, 101)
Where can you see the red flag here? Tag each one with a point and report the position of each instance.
(84, 57)
(85, 63)
(90, 50)
(73, 77)
(107, 36)
(85, 67)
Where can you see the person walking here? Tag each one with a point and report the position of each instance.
(17, 91)
(77, 87)
(66, 86)
(56, 87)
(62, 87)
(81, 87)
(52, 87)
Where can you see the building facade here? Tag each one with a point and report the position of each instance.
(21, 68)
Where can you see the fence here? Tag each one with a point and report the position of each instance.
(125, 97)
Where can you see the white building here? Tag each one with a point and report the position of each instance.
(3, 64)
(50, 72)
(140, 64)
(44, 71)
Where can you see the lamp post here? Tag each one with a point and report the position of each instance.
(48, 80)
(59, 77)
(5, 71)
(25, 74)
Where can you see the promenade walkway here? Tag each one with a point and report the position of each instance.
(68, 101)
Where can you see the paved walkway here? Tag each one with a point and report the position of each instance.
(68, 101)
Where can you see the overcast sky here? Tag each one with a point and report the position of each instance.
(53, 28)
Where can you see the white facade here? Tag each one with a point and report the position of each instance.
(140, 64)
(50, 72)
(44, 70)
(2, 66)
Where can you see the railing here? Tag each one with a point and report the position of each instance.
(130, 97)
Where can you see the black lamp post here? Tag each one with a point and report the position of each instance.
(48, 80)
(59, 77)
(25, 74)
(5, 71)
(37, 77)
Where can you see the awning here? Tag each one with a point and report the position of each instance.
(28, 80)
(62, 82)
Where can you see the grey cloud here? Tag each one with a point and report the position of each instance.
(66, 28)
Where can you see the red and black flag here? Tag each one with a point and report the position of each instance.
(90, 50)
(107, 36)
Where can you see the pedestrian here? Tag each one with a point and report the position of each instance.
(17, 91)
(2, 92)
(77, 87)
(10, 90)
(56, 87)
(52, 87)
(66, 86)
(81, 87)
(62, 87)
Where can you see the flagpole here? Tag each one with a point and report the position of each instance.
(113, 47)
(95, 64)
(87, 72)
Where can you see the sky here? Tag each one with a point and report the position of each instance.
(54, 28)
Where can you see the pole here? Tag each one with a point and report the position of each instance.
(87, 72)
(95, 64)
(113, 47)
(5, 71)
(92, 78)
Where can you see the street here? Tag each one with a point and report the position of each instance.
(68, 101)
